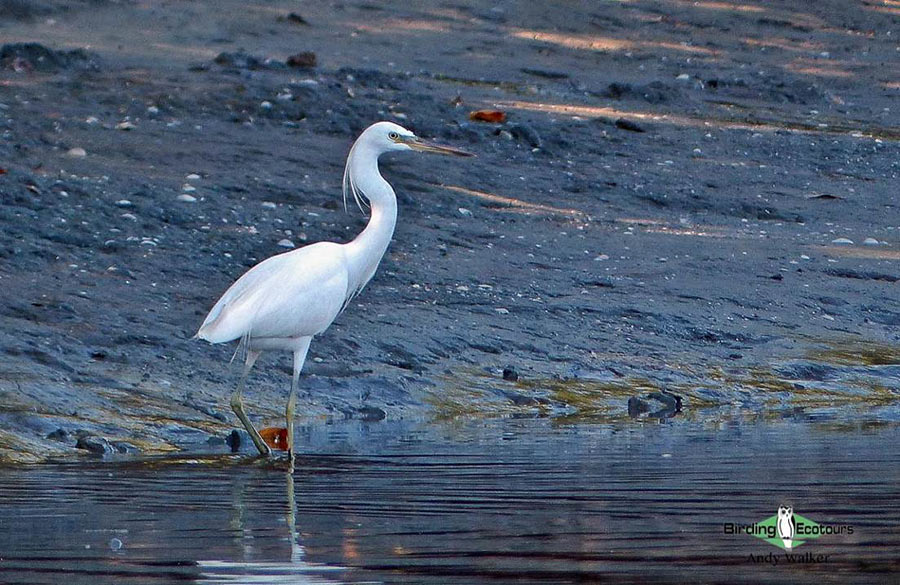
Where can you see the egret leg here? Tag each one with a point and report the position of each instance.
(299, 359)
(237, 405)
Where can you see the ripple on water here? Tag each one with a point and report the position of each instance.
(516, 501)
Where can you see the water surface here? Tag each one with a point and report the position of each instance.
(503, 501)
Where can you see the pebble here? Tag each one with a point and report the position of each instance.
(152, 110)
(502, 311)
(115, 544)
(269, 205)
(286, 243)
(130, 216)
(123, 203)
(870, 242)
(465, 212)
(77, 152)
(188, 188)
(842, 241)
(625, 124)
(193, 177)
(126, 125)
(683, 77)
(94, 444)
(186, 198)
(92, 120)
(267, 105)
(510, 375)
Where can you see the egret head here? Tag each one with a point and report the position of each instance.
(387, 137)
(362, 163)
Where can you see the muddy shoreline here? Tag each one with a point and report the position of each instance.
(699, 198)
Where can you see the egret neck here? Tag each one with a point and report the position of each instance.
(364, 253)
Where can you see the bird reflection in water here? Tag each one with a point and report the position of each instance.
(295, 570)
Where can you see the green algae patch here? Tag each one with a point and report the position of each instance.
(852, 352)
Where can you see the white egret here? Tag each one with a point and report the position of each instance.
(284, 301)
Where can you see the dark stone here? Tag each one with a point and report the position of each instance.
(629, 125)
(510, 375)
(304, 60)
(58, 435)
(123, 447)
(527, 134)
(637, 407)
(294, 18)
(96, 445)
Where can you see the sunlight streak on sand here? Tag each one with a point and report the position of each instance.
(516, 203)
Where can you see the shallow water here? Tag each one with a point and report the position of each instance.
(503, 501)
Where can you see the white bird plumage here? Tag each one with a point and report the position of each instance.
(284, 301)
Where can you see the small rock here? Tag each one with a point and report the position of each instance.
(870, 242)
(77, 152)
(294, 18)
(130, 216)
(193, 177)
(286, 243)
(629, 125)
(304, 60)
(842, 241)
(502, 311)
(115, 544)
(58, 435)
(184, 197)
(526, 133)
(266, 105)
(95, 444)
(510, 375)
(152, 110)
(637, 407)
(123, 203)
(683, 77)
(126, 125)
(464, 212)
(269, 205)
(188, 188)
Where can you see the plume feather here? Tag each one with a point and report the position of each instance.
(349, 185)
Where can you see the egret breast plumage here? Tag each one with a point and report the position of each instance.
(284, 301)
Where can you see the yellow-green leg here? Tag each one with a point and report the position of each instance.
(237, 405)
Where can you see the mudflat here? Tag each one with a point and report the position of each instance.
(700, 197)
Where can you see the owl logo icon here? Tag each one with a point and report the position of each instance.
(786, 526)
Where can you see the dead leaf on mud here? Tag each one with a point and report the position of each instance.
(490, 116)
(275, 437)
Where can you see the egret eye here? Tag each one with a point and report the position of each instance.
(394, 136)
